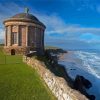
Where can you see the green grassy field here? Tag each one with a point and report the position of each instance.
(18, 81)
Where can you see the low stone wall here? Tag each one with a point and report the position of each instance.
(57, 85)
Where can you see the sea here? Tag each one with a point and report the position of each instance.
(85, 63)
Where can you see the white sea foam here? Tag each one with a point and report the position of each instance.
(86, 64)
(91, 62)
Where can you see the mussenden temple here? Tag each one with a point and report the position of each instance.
(24, 33)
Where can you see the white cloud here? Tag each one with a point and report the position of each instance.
(57, 25)
(53, 22)
(6, 11)
(1, 34)
(75, 29)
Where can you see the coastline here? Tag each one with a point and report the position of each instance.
(73, 70)
(63, 72)
(51, 61)
(54, 79)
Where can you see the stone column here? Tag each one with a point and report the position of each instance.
(43, 38)
(9, 40)
(42, 42)
(35, 37)
(10, 35)
(18, 35)
(5, 36)
(26, 35)
(41, 32)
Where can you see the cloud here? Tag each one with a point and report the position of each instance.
(54, 25)
(68, 32)
(98, 8)
(69, 44)
(52, 21)
(76, 29)
(1, 33)
(7, 10)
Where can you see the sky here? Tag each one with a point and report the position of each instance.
(71, 24)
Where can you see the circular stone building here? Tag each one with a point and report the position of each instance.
(24, 33)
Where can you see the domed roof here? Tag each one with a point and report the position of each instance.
(25, 16)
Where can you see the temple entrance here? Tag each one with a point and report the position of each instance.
(12, 51)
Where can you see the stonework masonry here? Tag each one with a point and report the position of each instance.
(19, 50)
(57, 85)
(24, 30)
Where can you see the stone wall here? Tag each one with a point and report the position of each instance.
(57, 85)
(18, 50)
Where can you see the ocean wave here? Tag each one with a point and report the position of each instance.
(86, 64)
(90, 62)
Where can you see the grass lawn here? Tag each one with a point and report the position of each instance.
(18, 81)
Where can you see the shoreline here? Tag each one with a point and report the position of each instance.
(76, 70)
(60, 68)
(51, 61)
(54, 79)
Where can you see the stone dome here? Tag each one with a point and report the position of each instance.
(25, 16)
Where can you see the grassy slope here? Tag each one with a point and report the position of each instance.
(20, 82)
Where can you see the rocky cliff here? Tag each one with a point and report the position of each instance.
(57, 85)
